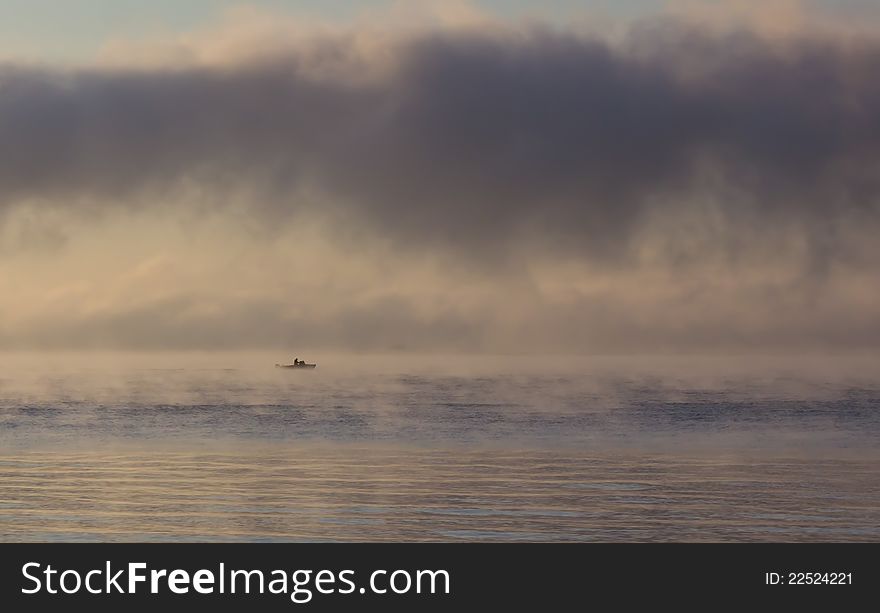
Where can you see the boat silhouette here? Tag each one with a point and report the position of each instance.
(302, 365)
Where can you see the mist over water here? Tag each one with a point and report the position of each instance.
(225, 446)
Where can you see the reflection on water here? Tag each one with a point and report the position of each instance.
(353, 494)
(207, 448)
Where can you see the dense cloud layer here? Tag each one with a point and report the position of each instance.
(671, 190)
(471, 140)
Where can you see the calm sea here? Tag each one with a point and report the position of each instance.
(209, 447)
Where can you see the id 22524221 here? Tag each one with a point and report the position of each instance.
(808, 578)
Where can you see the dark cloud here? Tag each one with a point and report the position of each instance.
(476, 141)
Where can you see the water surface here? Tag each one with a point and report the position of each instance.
(225, 447)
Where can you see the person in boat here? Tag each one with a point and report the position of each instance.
(295, 361)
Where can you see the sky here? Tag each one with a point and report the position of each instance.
(38, 29)
(77, 30)
(633, 177)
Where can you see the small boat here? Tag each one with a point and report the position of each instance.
(298, 365)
